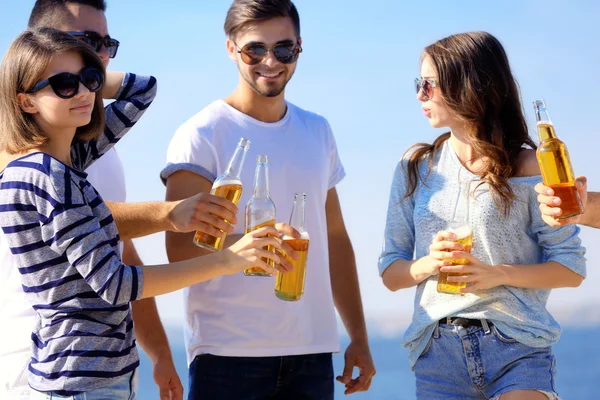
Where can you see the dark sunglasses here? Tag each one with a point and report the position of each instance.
(94, 40)
(427, 86)
(254, 53)
(66, 85)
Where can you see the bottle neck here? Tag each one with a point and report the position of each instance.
(261, 180)
(234, 168)
(297, 220)
(544, 123)
(546, 131)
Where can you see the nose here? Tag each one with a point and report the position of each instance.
(103, 54)
(82, 91)
(421, 96)
(270, 59)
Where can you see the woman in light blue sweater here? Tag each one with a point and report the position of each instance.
(493, 340)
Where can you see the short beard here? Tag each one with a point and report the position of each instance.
(270, 93)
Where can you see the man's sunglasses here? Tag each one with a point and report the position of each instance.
(94, 40)
(66, 85)
(427, 86)
(254, 53)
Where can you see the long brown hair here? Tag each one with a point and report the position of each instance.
(23, 66)
(477, 84)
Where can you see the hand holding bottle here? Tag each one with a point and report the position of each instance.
(250, 251)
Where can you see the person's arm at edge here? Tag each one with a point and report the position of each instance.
(150, 335)
(347, 299)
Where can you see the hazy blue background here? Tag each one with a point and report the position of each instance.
(357, 69)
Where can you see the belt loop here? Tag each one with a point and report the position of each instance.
(486, 326)
(436, 331)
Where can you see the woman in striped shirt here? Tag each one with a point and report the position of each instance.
(59, 229)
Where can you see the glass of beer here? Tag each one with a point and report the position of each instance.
(229, 186)
(464, 235)
(289, 286)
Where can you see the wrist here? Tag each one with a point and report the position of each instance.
(167, 213)
(503, 274)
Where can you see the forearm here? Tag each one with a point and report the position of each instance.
(591, 215)
(149, 331)
(140, 219)
(162, 279)
(112, 84)
(402, 274)
(345, 287)
(550, 275)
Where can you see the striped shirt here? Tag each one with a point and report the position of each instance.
(65, 243)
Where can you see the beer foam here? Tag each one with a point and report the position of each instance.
(303, 236)
(226, 182)
(547, 123)
(462, 232)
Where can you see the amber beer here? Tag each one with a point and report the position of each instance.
(555, 164)
(232, 191)
(464, 236)
(256, 271)
(229, 186)
(289, 286)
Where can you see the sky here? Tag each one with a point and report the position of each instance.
(357, 69)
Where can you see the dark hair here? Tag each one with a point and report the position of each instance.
(54, 13)
(244, 12)
(23, 66)
(476, 83)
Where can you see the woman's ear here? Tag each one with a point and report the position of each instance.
(26, 103)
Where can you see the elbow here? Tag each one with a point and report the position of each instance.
(576, 281)
(390, 283)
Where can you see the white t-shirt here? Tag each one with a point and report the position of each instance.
(108, 177)
(239, 315)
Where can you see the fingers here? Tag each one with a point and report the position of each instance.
(542, 189)
(446, 245)
(205, 211)
(444, 235)
(288, 250)
(222, 202)
(286, 229)
(581, 183)
(217, 224)
(285, 265)
(266, 231)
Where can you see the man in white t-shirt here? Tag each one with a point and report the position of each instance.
(86, 19)
(242, 341)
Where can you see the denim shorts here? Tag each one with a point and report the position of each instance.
(123, 389)
(481, 363)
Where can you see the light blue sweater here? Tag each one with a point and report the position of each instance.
(520, 238)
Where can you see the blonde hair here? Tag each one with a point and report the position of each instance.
(23, 66)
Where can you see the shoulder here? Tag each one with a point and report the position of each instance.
(310, 118)
(204, 123)
(527, 164)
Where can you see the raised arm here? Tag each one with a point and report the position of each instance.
(134, 96)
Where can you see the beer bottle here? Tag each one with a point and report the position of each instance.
(229, 186)
(555, 164)
(260, 210)
(461, 227)
(289, 286)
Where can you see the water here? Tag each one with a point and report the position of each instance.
(577, 353)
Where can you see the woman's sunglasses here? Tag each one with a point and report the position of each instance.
(66, 85)
(254, 53)
(427, 86)
(95, 41)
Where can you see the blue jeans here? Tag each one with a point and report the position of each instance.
(261, 378)
(481, 363)
(123, 389)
